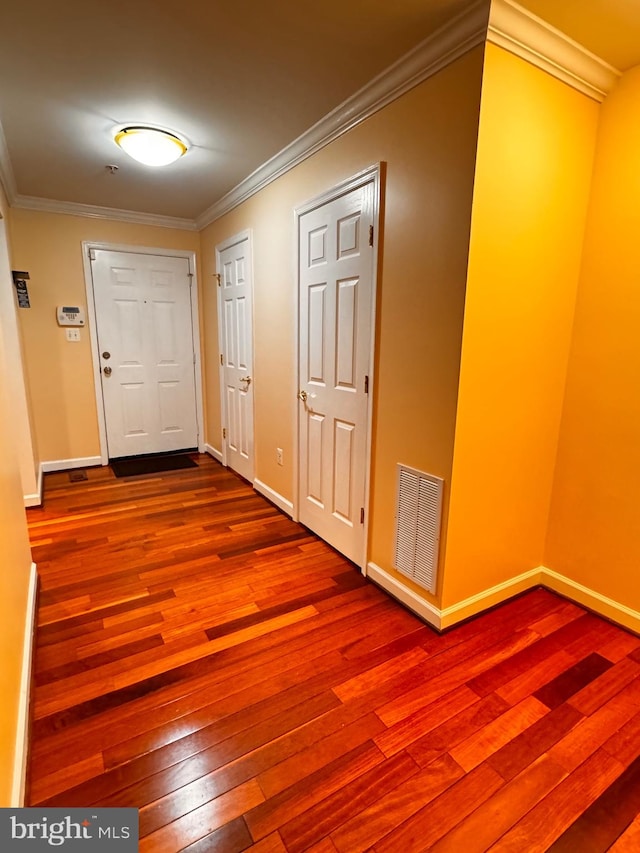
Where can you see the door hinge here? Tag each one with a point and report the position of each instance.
(194, 358)
(371, 235)
(224, 432)
(361, 515)
(366, 384)
(221, 359)
(92, 254)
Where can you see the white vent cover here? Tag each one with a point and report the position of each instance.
(418, 515)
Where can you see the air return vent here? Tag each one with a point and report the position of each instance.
(418, 514)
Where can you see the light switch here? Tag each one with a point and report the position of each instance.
(73, 334)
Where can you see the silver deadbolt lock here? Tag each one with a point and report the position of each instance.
(106, 354)
(107, 371)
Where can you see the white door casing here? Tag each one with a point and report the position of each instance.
(335, 344)
(235, 326)
(144, 322)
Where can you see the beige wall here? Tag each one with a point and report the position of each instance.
(535, 157)
(15, 378)
(15, 558)
(49, 247)
(427, 138)
(594, 536)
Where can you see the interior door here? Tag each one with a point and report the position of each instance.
(145, 340)
(336, 264)
(236, 331)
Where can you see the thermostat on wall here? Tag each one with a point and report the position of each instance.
(70, 315)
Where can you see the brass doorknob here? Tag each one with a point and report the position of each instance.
(302, 395)
(107, 370)
(246, 379)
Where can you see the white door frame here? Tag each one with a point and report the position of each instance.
(247, 234)
(87, 247)
(369, 175)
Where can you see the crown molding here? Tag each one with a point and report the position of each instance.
(460, 35)
(520, 32)
(501, 22)
(92, 211)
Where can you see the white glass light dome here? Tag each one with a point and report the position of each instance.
(150, 145)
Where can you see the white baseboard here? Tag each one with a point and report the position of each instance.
(213, 452)
(67, 464)
(600, 604)
(447, 617)
(275, 498)
(35, 499)
(22, 731)
(490, 597)
(420, 606)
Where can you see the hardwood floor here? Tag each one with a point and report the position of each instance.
(204, 658)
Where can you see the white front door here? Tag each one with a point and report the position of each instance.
(145, 341)
(235, 311)
(336, 269)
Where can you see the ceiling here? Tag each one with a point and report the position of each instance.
(240, 79)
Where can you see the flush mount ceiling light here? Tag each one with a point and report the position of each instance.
(150, 145)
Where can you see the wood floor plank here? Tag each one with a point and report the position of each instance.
(368, 825)
(599, 691)
(476, 748)
(293, 682)
(401, 735)
(433, 682)
(459, 728)
(546, 822)
(504, 670)
(499, 813)
(233, 837)
(324, 846)
(84, 687)
(629, 841)
(591, 732)
(219, 721)
(530, 680)
(433, 821)
(288, 804)
(624, 743)
(557, 619)
(202, 821)
(528, 746)
(319, 754)
(204, 658)
(372, 678)
(69, 775)
(564, 686)
(606, 818)
(311, 827)
(621, 646)
(272, 844)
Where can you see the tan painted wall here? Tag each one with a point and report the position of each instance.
(535, 157)
(48, 246)
(594, 535)
(428, 140)
(15, 379)
(15, 559)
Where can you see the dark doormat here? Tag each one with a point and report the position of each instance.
(133, 466)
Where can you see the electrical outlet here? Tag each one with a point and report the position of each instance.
(279, 456)
(73, 334)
